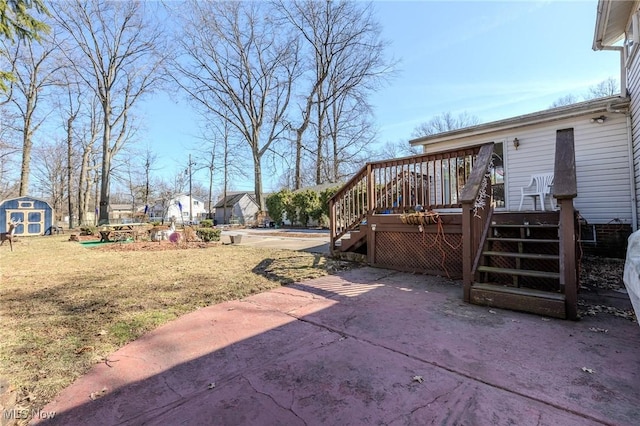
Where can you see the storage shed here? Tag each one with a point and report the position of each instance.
(35, 215)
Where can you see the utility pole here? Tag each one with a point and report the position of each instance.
(190, 197)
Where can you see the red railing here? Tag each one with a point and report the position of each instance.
(432, 181)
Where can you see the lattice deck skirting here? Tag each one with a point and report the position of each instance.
(421, 252)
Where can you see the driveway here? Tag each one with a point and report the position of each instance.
(309, 240)
(366, 346)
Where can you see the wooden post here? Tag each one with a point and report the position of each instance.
(568, 276)
(565, 189)
(371, 196)
(332, 226)
(467, 250)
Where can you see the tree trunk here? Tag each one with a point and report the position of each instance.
(103, 217)
(27, 145)
(70, 169)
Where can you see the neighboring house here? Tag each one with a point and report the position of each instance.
(35, 216)
(525, 145)
(239, 207)
(617, 28)
(178, 208)
(120, 213)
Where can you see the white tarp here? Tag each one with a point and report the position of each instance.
(632, 271)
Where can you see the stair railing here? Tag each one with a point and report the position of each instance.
(476, 211)
(394, 186)
(565, 189)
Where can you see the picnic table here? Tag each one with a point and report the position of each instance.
(120, 231)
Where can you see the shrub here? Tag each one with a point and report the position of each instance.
(324, 199)
(277, 205)
(306, 202)
(87, 230)
(206, 223)
(208, 234)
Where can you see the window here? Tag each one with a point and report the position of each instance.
(496, 173)
(25, 204)
(631, 38)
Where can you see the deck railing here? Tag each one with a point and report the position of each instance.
(432, 181)
(476, 214)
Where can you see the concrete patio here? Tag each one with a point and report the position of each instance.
(368, 346)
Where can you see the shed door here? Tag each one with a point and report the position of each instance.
(31, 221)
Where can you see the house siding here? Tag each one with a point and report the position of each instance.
(633, 88)
(602, 164)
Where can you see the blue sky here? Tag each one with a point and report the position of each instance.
(491, 59)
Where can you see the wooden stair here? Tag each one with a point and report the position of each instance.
(519, 267)
(352, 240)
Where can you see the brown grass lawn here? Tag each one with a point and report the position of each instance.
(65, 307)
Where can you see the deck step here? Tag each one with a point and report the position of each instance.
(519, 299)
(531, 226)
(537, 256)
(519, 291)
(520, 272)
(522, 240)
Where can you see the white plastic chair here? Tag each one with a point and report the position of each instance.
(539, 187)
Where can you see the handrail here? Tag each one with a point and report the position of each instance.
(565, 189)
(431, 181)
(475, 214)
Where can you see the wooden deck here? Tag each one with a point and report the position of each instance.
(516, 260)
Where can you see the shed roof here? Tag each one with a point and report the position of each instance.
(232, 199)
(26, 196)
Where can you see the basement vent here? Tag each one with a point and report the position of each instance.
(587, 233)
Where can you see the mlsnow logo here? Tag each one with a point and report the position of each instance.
(25, 414)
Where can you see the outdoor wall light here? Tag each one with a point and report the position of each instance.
(516, 143)
(599, 119)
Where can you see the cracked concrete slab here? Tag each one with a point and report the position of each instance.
(365, 346)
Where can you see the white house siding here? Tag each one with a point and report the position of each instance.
(633, 87)
(602, 165)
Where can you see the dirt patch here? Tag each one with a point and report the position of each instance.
(155, 246)
(601, 273)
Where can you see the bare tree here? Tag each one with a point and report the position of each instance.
(88, 175)
(50, 173)
(119, 45)
(239, 63)
(397, 149)
(34, 72)
(9, 155)
(445, 122)
(564, 100)
(344, 56)
(608, 87)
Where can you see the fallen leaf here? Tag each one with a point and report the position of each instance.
(98, 394)
(84, 349)
(101, 333)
